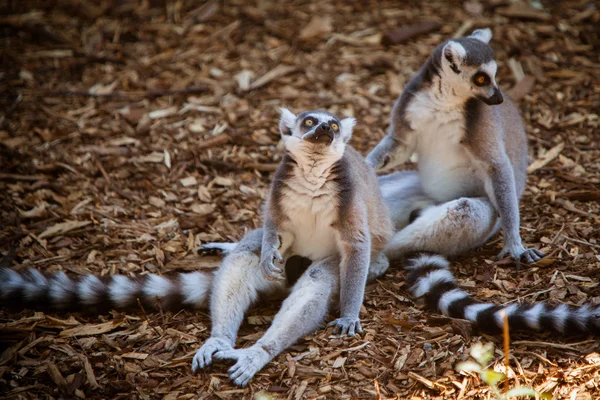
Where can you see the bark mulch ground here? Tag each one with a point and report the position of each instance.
(133, 131)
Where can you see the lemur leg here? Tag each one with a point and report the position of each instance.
(379, 264)
(449, 229)
(404, 196)
(301, 314)
(237, 284)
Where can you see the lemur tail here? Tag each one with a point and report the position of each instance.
(429, 277)
(90, 293)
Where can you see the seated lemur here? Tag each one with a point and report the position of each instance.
(324, 205)
(468, 136)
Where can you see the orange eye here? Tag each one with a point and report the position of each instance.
(335, 126)
(480, 80)
(309, 122)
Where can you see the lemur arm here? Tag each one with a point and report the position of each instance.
(501, 189)
(399, 143)
(269, 251)
(354, 243)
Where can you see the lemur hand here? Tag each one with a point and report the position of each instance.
(346, 326)
(377, 160)
(204, 355)
(267, 264)
(520, 253)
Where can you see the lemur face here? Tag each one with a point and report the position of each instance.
(469, 67)
(319, 130)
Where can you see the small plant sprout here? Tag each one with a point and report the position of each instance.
(482, 354)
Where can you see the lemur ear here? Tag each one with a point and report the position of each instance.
(286, 122)
(346, 127)
(453, 55)
(484, 35)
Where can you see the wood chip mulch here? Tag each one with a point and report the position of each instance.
(133, 131)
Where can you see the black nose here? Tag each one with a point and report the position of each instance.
(494, 99)
(325, 127)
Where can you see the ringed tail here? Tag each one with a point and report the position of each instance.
(429, 277)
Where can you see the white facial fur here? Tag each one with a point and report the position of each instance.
(293, 137)
(484, 35)
(460, 85)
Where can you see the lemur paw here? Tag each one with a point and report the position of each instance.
(377, 161)
(346, 326)
(531, 255)
(269, 271)
(520, 253)
(204, 355)
(248, 363)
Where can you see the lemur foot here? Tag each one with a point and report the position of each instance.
(267, 265)
(248, 363)
(531, 255)
(346, 326)
(520, 253)
(212, 247)
(204, 355)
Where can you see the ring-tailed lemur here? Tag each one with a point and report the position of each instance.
(324, 205)
(469, 139)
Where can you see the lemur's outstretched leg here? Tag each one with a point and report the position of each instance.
(449, 229)
(237, 284)
(301, 313)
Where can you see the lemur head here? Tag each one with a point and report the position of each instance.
(315, 132)
(468, 67)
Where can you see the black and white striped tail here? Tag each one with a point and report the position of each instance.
(429, 277)
(89, 293)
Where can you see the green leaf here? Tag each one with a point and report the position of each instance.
(483, 353)
(492, 377)
(521, 391)
(468, 366)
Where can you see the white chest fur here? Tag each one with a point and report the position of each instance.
(446, 168)
(309, 202)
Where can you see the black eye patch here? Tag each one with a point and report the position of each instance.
(310, 122)
(335, 125)
(481, 79)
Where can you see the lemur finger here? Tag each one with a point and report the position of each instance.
(226, 355)
(351, 330)
(528, 257)
(236, 370)
(358, 327)
(336, 327)
(539, 253)
(243, 378)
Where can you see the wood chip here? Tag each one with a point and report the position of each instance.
(274, 74)
(408, 32)
(546, 158)
(89, 330)
(62, 228)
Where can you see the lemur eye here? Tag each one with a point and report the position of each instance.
(481, 79)
(335, 126)
(309, 122)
